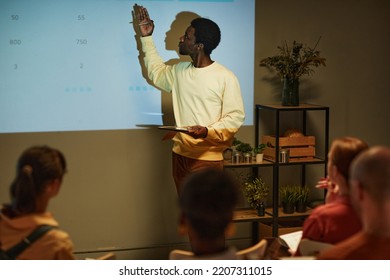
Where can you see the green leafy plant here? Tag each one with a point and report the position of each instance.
(255, 191)
(287, 194)
(242, 146)
(260, 148)
(235, 142)
(301, 194)
(294, 61)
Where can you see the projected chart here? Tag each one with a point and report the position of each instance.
(69, 65)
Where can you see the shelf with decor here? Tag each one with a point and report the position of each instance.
(304, 152)
(248, 214)
(302, 149)
(230, 164)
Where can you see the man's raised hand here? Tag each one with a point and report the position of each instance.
(146, 25)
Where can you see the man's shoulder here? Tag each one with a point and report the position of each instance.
(221, 70)
(348, 249)
(216, 64)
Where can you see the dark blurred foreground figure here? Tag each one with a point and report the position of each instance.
(207, 203)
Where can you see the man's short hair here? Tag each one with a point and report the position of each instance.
(372, 169)
(207, 32)
(207, 200)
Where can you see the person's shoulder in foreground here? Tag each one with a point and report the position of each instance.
(361, 246)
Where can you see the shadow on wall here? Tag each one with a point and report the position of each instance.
(172, 37)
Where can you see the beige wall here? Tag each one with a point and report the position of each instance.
(355, 40)
(119, 192)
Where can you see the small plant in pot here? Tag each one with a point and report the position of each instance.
(287, 197)
(256, 191)
(245, 149)
(301, 198)
(236, 155)
(259, 150)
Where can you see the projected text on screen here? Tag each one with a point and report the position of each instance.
(68, 65)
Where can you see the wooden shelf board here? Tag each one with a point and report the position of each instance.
(228, 163)
(269, 211)
(247, 215)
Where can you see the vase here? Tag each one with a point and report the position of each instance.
(261, 210)
(290, 92)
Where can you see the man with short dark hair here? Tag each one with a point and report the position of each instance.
(206, 96)
(207, 203)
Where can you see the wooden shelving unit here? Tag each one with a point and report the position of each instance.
(275, 214)
(303, 110)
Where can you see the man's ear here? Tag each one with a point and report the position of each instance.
(199, 46)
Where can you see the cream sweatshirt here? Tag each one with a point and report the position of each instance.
(208, 96)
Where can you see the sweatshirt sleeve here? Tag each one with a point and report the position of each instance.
(159, 73)
(232, 115)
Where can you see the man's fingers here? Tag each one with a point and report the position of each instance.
(143, 14)
(147, 14)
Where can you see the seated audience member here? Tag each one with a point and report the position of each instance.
(336, 220)
(207, 203)
(39, 175)
(370, 195)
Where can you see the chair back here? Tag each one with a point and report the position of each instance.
(107, 256)
(178, 254)
(255, 252)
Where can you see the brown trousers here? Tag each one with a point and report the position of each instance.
(183, 166)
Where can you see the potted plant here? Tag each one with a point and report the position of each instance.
(287, 197)
(236, 155)
(301, 198)
(291, 63)
(256, 191)
(259, 152)
(244, 148)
